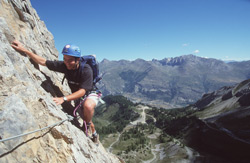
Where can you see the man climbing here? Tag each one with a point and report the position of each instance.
(80, 80)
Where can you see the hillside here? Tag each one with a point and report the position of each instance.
(115, 115)
(216, 126)
(170, 82)
(26, 91)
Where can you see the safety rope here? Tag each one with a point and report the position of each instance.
(78, 106)
(70, 118)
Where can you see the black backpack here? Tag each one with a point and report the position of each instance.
(91, 60)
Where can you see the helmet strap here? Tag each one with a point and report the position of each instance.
(76, 64)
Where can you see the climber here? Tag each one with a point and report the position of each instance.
(79, 81)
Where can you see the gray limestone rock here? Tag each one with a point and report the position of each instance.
(26, 91)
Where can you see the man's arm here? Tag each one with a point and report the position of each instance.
(73, 96)
(19, 47)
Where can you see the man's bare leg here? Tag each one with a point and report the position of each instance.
(88, 111)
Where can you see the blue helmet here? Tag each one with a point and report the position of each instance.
(71, 50)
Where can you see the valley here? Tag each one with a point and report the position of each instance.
(141, 141)
(214, 129)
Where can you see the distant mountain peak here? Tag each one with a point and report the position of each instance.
(105, 60)
(176, 60)
(180, 60)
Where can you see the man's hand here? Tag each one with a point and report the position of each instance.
(18, 46)
(58, 100)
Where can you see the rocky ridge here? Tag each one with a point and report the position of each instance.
(26, 91)
(220, 130)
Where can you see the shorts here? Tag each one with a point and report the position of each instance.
(93, 96)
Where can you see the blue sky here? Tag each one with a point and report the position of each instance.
(150, 29)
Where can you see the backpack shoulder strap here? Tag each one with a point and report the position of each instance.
(82, 63)
(63, 78)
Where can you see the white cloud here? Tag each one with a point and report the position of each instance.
(185, 44)
(196, 51)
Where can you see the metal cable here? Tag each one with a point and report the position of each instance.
(55, 124)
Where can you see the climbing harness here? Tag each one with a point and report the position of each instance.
(98, 95)
(70, 118)
(83, 99)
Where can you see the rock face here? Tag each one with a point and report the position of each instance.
(26, 91)
(171, 82)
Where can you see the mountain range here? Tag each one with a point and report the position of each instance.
(170, 82)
